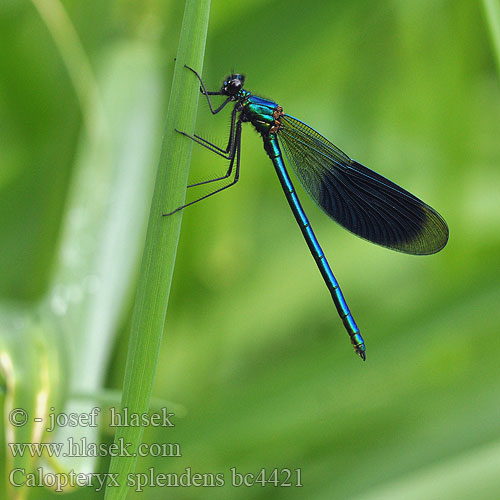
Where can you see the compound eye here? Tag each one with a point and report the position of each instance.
(236, 84)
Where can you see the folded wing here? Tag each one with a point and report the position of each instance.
(358, 198)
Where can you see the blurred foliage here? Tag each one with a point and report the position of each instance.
(253, 346)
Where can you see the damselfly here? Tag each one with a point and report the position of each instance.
(356, 197)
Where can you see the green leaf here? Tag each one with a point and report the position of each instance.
(492, 13)
(162, 237)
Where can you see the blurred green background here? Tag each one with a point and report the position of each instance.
(253, 347)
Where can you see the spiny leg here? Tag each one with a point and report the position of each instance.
(231, 136)
(235, 155)
(225, 153)
(206, 144)
(211, 147)
(206, 93)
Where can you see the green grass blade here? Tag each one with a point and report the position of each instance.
(104, 227)
(492, 14)
(162, 237)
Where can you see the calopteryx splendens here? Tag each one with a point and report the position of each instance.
(356, 197)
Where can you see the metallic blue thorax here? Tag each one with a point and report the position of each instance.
(259, 112)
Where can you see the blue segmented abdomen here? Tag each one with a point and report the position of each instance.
(274, 152)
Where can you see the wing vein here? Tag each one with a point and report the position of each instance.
(362, 201)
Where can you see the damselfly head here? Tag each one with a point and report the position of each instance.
(233, 84)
